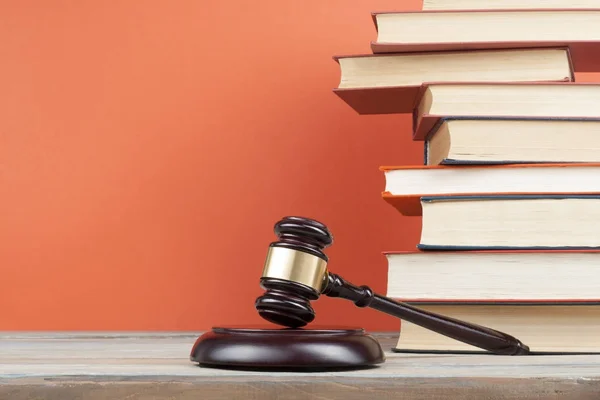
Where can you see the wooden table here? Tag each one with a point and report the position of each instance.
(144, 366)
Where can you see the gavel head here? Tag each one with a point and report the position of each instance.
(295, 272)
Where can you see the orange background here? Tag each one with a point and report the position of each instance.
(147, 148)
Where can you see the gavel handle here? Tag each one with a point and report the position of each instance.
(475, 335)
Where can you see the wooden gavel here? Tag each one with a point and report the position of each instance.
(295, 273)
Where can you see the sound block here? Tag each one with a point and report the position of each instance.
(287, 349)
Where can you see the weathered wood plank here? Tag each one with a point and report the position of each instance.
(156, 366)
(331, 389)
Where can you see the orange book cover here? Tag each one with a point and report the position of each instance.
(585, 54)
(399, 99)
(425, 126)
(410, 205)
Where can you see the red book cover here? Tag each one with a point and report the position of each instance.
(410, 205)
(397, 99)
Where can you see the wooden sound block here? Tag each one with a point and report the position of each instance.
(287, 349)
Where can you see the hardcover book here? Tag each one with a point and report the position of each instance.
(440, 30)
(390, 83)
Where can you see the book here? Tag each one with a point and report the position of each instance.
(508, 276)
(493, 222)
(390, 83)
(406, 184)
(546, 329)
(493, 140)
(549, 100)
(506, 4)
(438, 30)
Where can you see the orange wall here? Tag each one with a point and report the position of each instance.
(147, 148)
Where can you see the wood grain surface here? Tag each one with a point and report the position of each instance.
(156, 366)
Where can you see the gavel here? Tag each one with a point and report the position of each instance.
(296, 272)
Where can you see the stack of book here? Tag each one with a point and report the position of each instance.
(509, 187)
